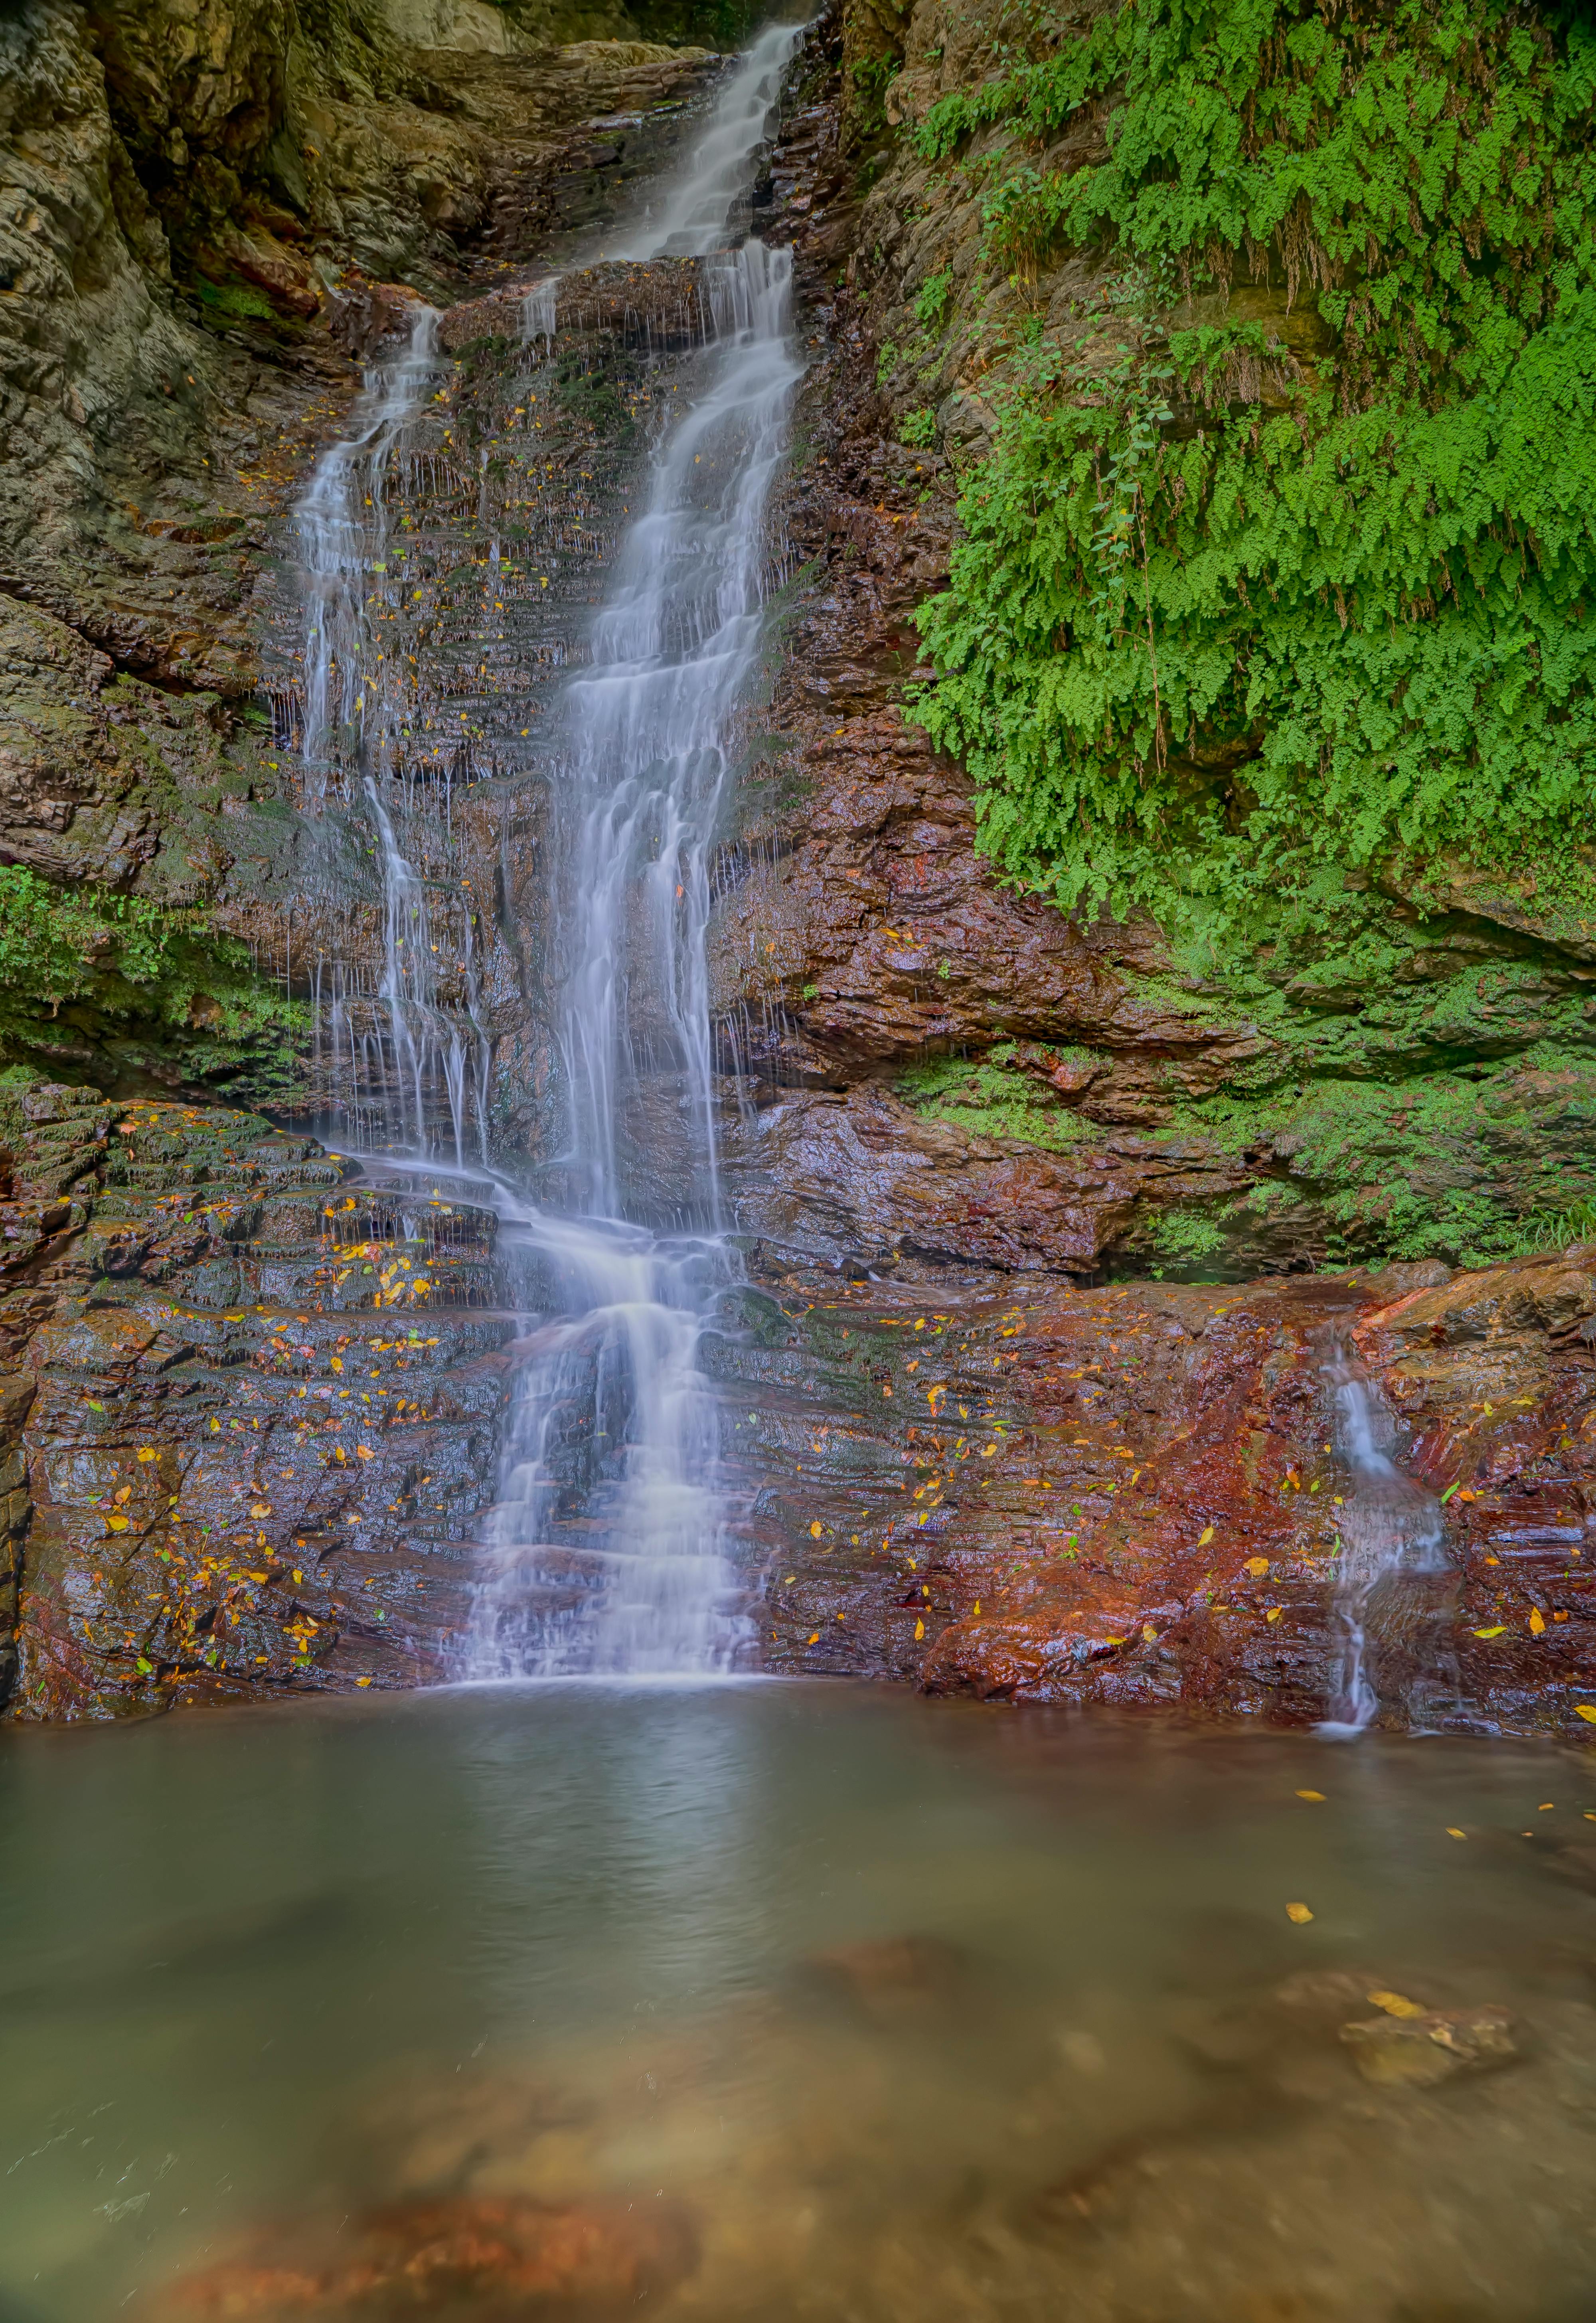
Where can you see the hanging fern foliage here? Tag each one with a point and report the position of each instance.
(1228, 615)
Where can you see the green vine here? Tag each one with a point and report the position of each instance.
(1224, 614)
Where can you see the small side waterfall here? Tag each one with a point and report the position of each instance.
(1392, 1569)
(343, 526)
(607, 1553)
(398, 1055)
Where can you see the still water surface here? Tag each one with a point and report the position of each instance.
(593, 1947)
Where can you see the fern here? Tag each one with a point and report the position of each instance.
(1188, 661)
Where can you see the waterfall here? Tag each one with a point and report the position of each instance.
(396, 1058)
(607, 1551)
(343, 524)
(1392, 1555)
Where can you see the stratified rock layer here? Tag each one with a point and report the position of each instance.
(255, 1414)
(1130, 1495)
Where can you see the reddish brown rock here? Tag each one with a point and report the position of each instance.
(496, 2260)
(1129, 1495)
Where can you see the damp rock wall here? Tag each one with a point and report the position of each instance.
(204, 214)
(953, 1063)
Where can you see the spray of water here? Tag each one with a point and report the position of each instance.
(1392, 1557)
(607, 1551)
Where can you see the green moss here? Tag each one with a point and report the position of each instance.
(238, 298)
(993, 1098)
(146, 982)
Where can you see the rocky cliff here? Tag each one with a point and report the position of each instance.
(1098, 1129)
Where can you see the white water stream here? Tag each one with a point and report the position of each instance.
(407, 1060)
(1392, 1552)
(607, 1549)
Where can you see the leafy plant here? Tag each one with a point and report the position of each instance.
(1201, 643)
(918, 428)
(933, 297)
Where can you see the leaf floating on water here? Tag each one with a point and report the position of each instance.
(1255, 1565)
(1298, 1913)
(1318, 1796)
(1397, 2003)
(1452, 1832)
(1495, 1632)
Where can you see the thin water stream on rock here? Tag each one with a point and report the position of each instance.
(1391, 1573)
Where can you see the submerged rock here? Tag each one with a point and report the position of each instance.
(890, 1978)
(496, 2260)
(1415, 2051)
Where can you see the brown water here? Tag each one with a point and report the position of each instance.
(637, 1956)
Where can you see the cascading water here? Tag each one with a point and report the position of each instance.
(1391, 1572)
(397, 1055)
(607, 1553)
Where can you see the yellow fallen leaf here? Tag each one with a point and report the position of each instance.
(1586, 1711)
(919, 1629)
(1299, 1912)
(116, 1524)
(261, 1509)
(1149, 1633)
(1206, 1537)
(1495, 1632)
(1452, 1832)
(362, 1452)
(1274, 1613)
(988, 1450)
(1256, 1565)
(362, 1681)
(337, 1363)
(1316, 1795)
(978, 1608)
(146, 1451)
(1397, 2003)
(814, 1529)
(1538, 1622)
(815, 1638)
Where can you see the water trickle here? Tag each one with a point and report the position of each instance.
(607, 1550)
(399, 1063)
(344, 524)
(1393, 1569)
(539, 318)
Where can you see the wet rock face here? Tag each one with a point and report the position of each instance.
(1132, 1496)
(503, 506)
(210, 207)
(253, 1418)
